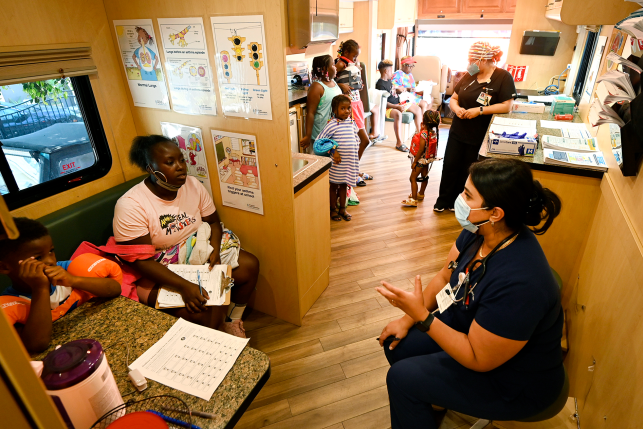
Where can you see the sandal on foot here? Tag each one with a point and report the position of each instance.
(346, 216)
(410, 202)
(366, 176)
(334, 215)
(420, 197)
(402, 148)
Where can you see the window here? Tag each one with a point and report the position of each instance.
(52, 140)
(451, 42)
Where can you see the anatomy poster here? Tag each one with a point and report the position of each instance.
(238, 170)
(139, 51)
(190, 141)
(242, 66)
(188, 66)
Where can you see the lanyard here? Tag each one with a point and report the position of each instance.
(466, 282)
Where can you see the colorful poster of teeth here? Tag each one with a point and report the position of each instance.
(190, 141)
(242, 66)
(238, 168)
(188, 66)
(139, 51)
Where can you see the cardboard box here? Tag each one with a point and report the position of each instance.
(524, 147)
(524, 107)
(562, 105)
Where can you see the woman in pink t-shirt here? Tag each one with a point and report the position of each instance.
(164, 210)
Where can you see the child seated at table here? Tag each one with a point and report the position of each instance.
(42, 289)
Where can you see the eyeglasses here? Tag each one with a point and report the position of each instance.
(409, 65)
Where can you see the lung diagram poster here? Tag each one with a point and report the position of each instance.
(190, 141)
(238, 169)
(242, 66)
(139, 52)
(188, 66)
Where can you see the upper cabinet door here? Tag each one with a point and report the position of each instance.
(482, 6)
(510, 6)
(436, 7)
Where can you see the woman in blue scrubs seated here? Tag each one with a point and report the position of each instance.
(495, 353)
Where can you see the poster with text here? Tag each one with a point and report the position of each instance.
(190, 141)
(242, 66)
(139, 51)
(238, 170)
(188, 66)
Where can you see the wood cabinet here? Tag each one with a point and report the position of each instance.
(345, 17)
(396, 13)
(589, 12)
(510, 5)
(466, 9)
(433, 7)
(483, 6)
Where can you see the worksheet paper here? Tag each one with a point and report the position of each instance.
(524, 123)
(138, 48)
(188, 66)
(191, 358)
(210, 280)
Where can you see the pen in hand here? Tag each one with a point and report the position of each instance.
(198, 277)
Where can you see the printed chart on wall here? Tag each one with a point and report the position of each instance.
(139, 52)
(242, 66)
(190, 141)
(188, 66)
(238, 168)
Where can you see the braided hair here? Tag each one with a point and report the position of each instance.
(320, 66)
(149, 38)
(337, 100)
(347, 46)
(431, 120)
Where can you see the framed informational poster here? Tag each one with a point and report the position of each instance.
(616, 45)
(188, 66)
(190, 141)
(139, 52)
(238, 167)
(242, 66)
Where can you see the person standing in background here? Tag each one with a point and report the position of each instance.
(349, 79)
(481, 93)
(320, 97)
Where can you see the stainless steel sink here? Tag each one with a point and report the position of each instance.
(298, 165)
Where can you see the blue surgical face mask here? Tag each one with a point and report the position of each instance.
(462, 211)
(473, 69)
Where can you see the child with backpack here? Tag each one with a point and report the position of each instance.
(423, 151)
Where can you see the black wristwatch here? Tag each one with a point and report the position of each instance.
(426, 324)
(481, 110)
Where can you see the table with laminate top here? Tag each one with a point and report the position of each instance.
(126, 329)
(537, 162)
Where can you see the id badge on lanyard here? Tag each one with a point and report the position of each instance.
(484, 98)
(444, 298)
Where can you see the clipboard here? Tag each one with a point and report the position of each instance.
(226, 286)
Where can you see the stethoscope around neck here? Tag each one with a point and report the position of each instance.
(466, 281)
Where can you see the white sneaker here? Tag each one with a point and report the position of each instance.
(234, 328)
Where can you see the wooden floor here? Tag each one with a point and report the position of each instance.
(331, 372)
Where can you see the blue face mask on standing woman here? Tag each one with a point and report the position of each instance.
(473, 68)
(462, 211)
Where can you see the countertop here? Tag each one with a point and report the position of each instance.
(121, 323)
(537, 161)
(316, 166)
(297, 96)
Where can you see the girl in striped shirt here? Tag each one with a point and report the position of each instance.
(343, 172)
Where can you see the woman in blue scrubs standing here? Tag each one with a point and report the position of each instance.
(494, 352)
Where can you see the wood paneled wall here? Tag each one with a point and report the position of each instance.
(40, 22)
(271, 236)
(530, 15)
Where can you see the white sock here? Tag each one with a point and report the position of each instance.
(235, 311)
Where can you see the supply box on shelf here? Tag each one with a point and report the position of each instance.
(508, 146)
(562, 104)
(527, 107)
